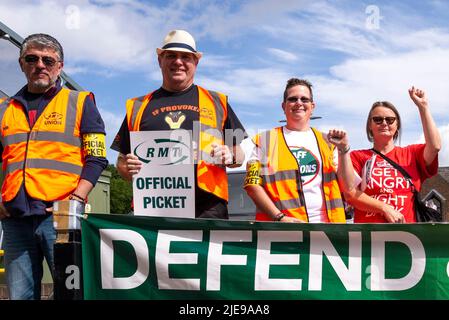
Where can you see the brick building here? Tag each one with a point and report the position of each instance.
(436, 190)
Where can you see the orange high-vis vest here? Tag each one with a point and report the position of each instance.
(282, 181)
(213, 113)
(48, 157)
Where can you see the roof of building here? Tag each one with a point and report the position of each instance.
(444, 172)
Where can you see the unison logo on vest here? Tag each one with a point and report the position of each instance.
(53, 118)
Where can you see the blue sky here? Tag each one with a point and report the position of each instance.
(354, 53)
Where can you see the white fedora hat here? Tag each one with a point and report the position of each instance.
(179, 40)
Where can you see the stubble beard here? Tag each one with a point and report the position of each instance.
(42, 85)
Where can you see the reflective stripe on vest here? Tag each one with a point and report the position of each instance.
(134, 111)
(212, 114)
(281, 178)
(3, 105)
(52, 148)
(334, 203)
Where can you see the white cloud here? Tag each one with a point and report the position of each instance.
(88, 69)
(346, 95)
(76, 69)
(251, 17)
(212, 61)
(444, 152)
(323, 26)
(112, 123)
(443, 155)
(354, 85)
(258, 87)
(8, 52)
(422, 39)
(118, 34)
(283, 55)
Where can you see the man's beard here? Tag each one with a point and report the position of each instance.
(43, 84)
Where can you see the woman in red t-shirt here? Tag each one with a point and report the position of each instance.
(379, 179)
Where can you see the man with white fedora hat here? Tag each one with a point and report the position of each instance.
(181, 104)
(179, 40)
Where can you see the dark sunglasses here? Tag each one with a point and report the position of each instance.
(302, 99)
(47, 61)
(380, 120)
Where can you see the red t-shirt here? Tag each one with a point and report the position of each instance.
(387, 184)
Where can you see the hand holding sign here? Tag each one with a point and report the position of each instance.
(133, 164)
(221, 154)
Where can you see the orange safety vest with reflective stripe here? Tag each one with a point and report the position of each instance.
(282, 180)
(48, 157)
(213, 113)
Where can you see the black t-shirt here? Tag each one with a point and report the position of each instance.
(178, 110)
(171, 110)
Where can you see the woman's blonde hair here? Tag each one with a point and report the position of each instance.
(387, 105)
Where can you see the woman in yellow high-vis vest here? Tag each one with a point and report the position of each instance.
(292, 174)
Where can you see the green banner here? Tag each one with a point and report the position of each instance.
(137, 257)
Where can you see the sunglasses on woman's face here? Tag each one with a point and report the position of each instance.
(33, 59)
(380, 120)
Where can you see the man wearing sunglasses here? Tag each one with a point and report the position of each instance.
(181, 104)
(292, 174)
(53, 148)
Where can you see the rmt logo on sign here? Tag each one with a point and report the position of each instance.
(166, 152)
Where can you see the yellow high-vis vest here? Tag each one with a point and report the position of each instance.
(48, 157)
(282, 180)
(212, 114)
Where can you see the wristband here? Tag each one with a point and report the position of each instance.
(74, 195)
(279, 216)
(348, 147)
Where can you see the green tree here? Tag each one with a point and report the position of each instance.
(121, 192)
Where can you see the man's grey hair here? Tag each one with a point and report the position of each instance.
(42, 40)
